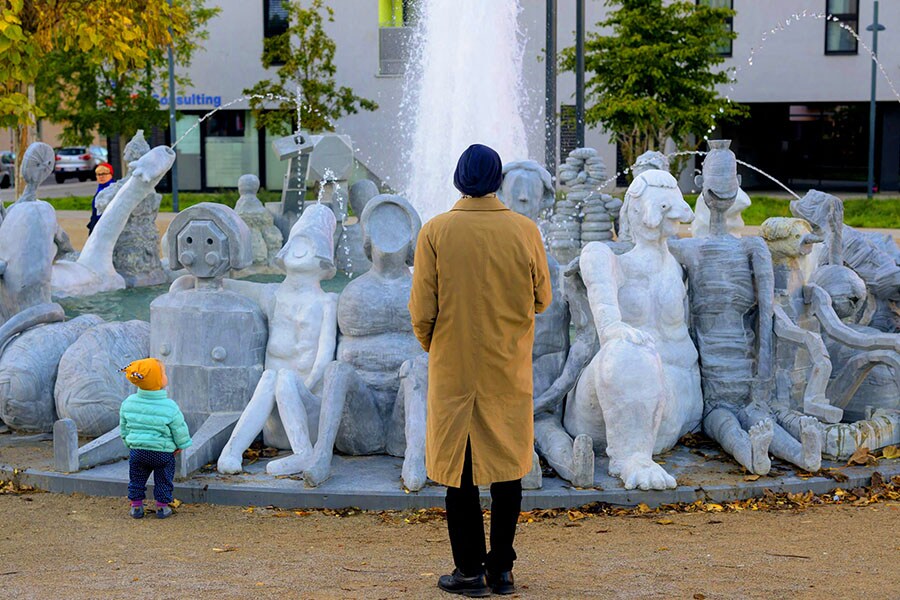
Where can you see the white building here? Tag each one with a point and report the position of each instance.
(807, 89)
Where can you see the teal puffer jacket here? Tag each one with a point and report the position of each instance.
(149, 420)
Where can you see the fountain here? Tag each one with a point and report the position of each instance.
(461, 94)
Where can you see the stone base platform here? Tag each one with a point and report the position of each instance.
(373, 483)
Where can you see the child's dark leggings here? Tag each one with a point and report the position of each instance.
(143, 462)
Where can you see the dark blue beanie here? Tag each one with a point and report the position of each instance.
(478, 172)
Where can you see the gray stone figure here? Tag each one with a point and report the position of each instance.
(265, 237)
(868, 255)
(89, 385)
(651, 159)
(350, 255)
(302, 323)
(731, 292)
(641, 392)
(94, 271)
(28, 370)
(136, 253)
(528, 190)
(363, 409)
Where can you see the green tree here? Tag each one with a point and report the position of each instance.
(653, 76)
(304, 55)
(114, 94)
(30, 30)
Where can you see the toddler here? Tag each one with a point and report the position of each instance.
(154, 431)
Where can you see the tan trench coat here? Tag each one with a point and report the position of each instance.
(480, 276)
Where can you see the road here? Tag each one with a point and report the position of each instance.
(51, 189)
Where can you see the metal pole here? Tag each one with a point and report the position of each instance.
(579, 73)
(172, 118)
(875, 27)
(550, 91)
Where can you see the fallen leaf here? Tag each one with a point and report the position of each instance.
(302, 513)
(225, 548)
(661, 549)
(713, 507)
(248, 510)
(665, 521)
(862, 456)
(699, 596)
(891, 452)
(746, 478)
(175, 503)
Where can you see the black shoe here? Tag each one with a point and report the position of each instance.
(457, 583)
(502, 582)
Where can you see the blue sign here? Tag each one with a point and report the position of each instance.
(186, 100)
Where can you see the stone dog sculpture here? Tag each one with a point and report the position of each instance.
(94, 272)
(641, 392)
(302, 333)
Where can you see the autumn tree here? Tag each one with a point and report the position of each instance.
(125, 31)
(653, 77)
(304, 55)
(115, 94)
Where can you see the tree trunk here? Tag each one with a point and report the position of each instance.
(25, 134)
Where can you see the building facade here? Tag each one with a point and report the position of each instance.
(807, 90)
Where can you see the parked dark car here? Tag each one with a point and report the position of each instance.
(7, 169)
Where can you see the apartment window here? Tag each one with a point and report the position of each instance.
(837, 39)
(725, 48)
(275, 18)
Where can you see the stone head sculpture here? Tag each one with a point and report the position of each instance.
(360, 193)
(37, 164)
(825, 213)
(720, 181)
(390, 229)
(788, 238)
(248, 185)
(651, 159)
(846, 288)
(310, 245)
(208, 240)
(653, 207)
(527, 188)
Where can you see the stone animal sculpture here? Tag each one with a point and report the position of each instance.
(136, 253)
(641, 392)
(864, 253)
(94, 271)
(302, 317)
(731, 294)
(363, 404)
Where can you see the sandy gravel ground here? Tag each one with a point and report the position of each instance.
(56, 546)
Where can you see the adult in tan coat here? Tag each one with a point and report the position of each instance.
(480, 276)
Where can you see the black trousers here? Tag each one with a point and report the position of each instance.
(466, 526)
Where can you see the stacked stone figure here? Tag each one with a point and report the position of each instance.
(585, 215)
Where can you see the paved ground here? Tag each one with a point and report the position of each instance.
(74, 547)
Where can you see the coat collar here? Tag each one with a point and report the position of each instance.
(489, 202)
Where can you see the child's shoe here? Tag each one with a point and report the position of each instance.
(163, 512)
(136, 512)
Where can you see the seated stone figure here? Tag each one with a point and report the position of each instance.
(731, 293)
(266, 237)
(363, 411)
(641, 392)
(302, 333)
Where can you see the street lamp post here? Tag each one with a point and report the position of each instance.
(172, 117)
(550, 90)
(875, 27)
(579, 73)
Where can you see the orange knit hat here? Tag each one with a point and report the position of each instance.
(147, 374)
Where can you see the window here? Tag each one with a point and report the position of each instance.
(275, 18)
(396, 19)
(725, 48)
(226, 123)
(837, 39)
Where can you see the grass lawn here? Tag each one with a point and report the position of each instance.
(883, 213)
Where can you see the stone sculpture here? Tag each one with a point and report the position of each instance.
(864, 253)
(731, 292)
(363, 407)
(89, 386)
(651, 160)
(350, 255)
(733, 219)
(94, 271)
(28, 370)
(302, 321)
(266, 238)
(641, 392)
(528, 190)
(136, 253)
